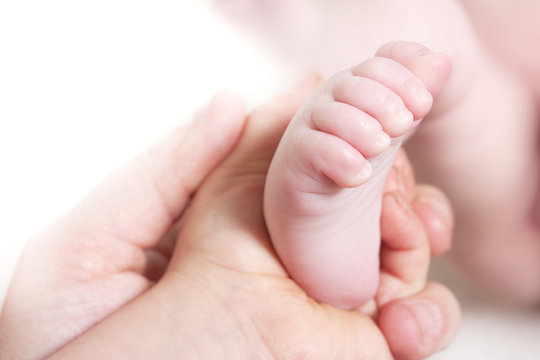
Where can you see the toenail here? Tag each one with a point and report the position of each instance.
(364, 174)
(425, 99)
(404, 119)
(382, 140)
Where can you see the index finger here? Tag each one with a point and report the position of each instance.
(138, 203)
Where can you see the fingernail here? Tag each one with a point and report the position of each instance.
(221, 98)
(308, 82)
(394, 183)
(223, 105)
(440, 207)
(216, 103)
(429, 318)
(400, 201)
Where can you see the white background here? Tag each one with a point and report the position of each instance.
(85, 85)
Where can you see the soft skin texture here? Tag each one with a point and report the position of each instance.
(225, 293)
(508, 28)
(479, 144)
(82, 268)
(325, 184)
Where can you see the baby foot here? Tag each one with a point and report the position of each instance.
(324, 187)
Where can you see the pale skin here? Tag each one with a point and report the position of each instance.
(508, 28)
(85, 289)
(325, 185)
(478, 143)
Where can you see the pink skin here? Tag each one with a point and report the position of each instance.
(508, 28)
(480, 145)
(507, 256)
(217, 286)
(325, 184)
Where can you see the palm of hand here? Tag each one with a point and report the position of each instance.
(224, 235)
(223, 280)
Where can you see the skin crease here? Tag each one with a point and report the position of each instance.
(479, 144)
(224, 294)
(316, 165)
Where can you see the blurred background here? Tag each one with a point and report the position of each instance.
(84, 86)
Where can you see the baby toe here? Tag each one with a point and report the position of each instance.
(326, 156)
(356, 127)
(376, 100)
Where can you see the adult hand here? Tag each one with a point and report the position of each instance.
(103, 253)
(226, 295)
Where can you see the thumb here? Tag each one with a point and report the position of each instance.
(79, 268)
(225, 220)
(418, 326)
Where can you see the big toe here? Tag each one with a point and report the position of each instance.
(432, 68)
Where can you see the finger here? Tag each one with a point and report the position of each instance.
(404, 251)
(350, 335)
(83, 267)
(156, 265)
(168, 242)
(139, 203)
(159, 256)
(422, 324)
(229, 204)
(434, 210)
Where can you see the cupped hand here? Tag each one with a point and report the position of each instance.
(225, 294)
(108, 249)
